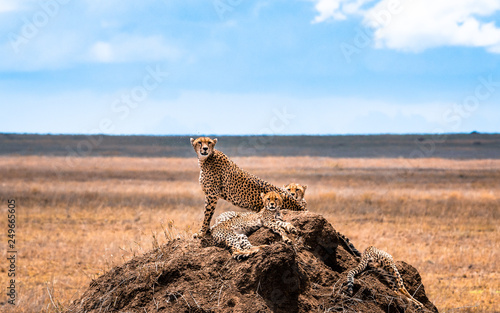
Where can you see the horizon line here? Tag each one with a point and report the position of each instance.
(251, 135)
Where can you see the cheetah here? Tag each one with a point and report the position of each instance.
(232, 233)
(383, 262)
(298, 192)
(221, 178)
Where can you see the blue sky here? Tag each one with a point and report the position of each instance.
(249, 67)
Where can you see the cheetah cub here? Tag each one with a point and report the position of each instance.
(232, 229)
(383, 262)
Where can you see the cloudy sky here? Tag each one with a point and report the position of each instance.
(249, 67)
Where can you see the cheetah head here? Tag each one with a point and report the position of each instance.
(297, 191)
(203, 146)
(272, 200)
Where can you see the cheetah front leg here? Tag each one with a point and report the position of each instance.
(240, 247)
(279, 228)
(287, 226)
(210, 204)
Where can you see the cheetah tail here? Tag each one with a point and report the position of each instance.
(347, 245)
(355, 271)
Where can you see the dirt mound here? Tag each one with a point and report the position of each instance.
(183, 276)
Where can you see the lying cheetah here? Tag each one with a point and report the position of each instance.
(232, 233)
(381, 261)
(221, 178)
(298, 192)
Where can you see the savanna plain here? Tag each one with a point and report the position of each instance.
(77, 217)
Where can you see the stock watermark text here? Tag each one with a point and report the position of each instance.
(11, 252)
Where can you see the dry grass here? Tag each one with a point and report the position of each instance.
(78, 217)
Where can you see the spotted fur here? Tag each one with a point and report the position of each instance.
(232, 232)
(226, 216)
(382, 261)
(221, 178)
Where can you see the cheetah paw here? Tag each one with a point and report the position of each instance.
(201, 234)
(291, 229)
(239, 257)
(287, 240)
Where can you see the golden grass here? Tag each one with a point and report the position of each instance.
(78, 217)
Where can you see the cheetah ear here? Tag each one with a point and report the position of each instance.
(192, 140)
(304, 187)
(262, 195)
(215, 141)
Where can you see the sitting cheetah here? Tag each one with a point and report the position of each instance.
(221, 178)
(298, 192)
(381, 261)
(232, 233)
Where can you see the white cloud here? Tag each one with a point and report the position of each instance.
(41, 35)
(77, 111)
(7, 6)
(329, 9)
(39, 53)
(101, 52)
(338, 9)
(76, 46)
(418, 25)
(125, 48)
(10, 5)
